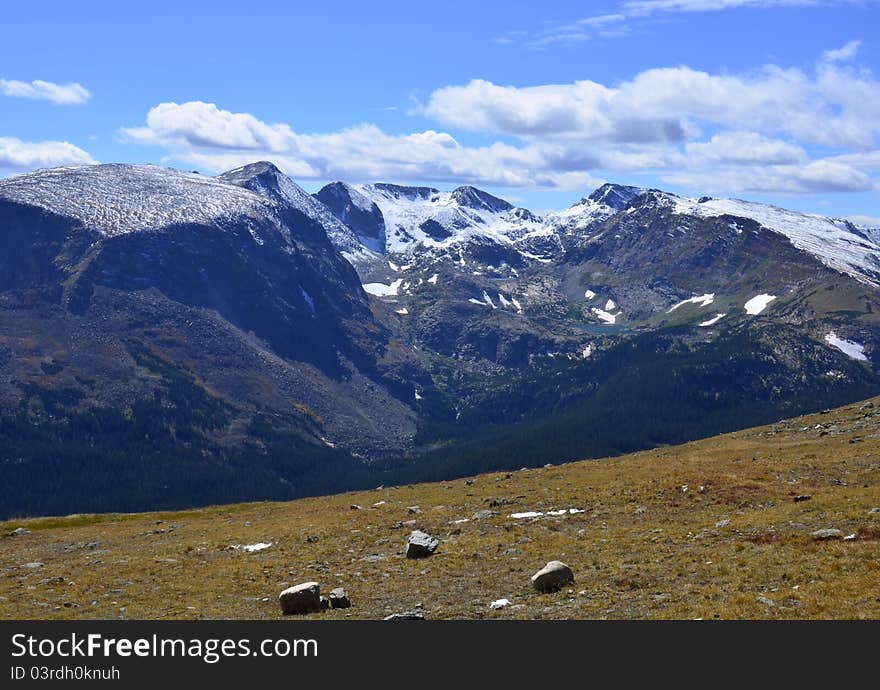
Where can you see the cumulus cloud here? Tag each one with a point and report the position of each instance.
(217, 139)
(61, 94)
(18, 155)
(744, 148)
(814, 177)
(758, 131)
(202, 124)
(834, 107)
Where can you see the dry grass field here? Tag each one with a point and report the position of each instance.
(710, 529)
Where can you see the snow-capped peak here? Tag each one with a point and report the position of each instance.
(266, 179)
(477, 199)
(426, 218)
(615, 196)
(835, 242)
(116, 199)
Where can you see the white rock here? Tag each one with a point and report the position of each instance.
(300, 599)
(552, 577)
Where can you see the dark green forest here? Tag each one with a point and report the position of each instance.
(164, 452)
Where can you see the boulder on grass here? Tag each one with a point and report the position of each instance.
(300, 599)
(421, 545)
(339, 599)
(552, 577)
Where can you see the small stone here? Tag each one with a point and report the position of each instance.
(339, 599)
(19, 532)
(421, 545)
(469, 482)
(483, 514)
(414, 510)
(868, 405)
(851, 537)
(33, 565)
(355, 506)
(764, 600)
(552, 577)
(828, 533)
(325, 603)
(300, 599)
(499, 604)
(802, 498)
(722, 523)
(641, 510)
(874, 511)
(406, 616)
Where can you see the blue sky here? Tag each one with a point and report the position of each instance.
(772, 100)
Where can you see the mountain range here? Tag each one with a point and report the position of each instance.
(170, 339)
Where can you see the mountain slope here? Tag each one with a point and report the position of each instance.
(711, 529)
(178, 339)
(144, 279)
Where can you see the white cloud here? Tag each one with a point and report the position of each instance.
(844, 54)
(864, 221)
(618, 21)
(216, 139)
(757, 131)
(815, 177)
(835, 107)
(19, 155)
(648, 7)
(744, 148)
(61, 94)
(204, 125)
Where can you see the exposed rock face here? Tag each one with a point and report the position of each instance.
(421, 545)
(339, 599)
(358, 212)
(301, 599)
(552, 577)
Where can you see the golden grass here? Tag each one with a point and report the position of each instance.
(646, 545)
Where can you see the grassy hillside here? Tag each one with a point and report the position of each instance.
(652, 542)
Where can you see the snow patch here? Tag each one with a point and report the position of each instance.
(308, 298)
(604, 316)
(251, 548)
(715, 319)
(382, 290)
(758, 304)
(848, 347)
(701, 300)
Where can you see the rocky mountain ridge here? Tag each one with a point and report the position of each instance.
(290, 343)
